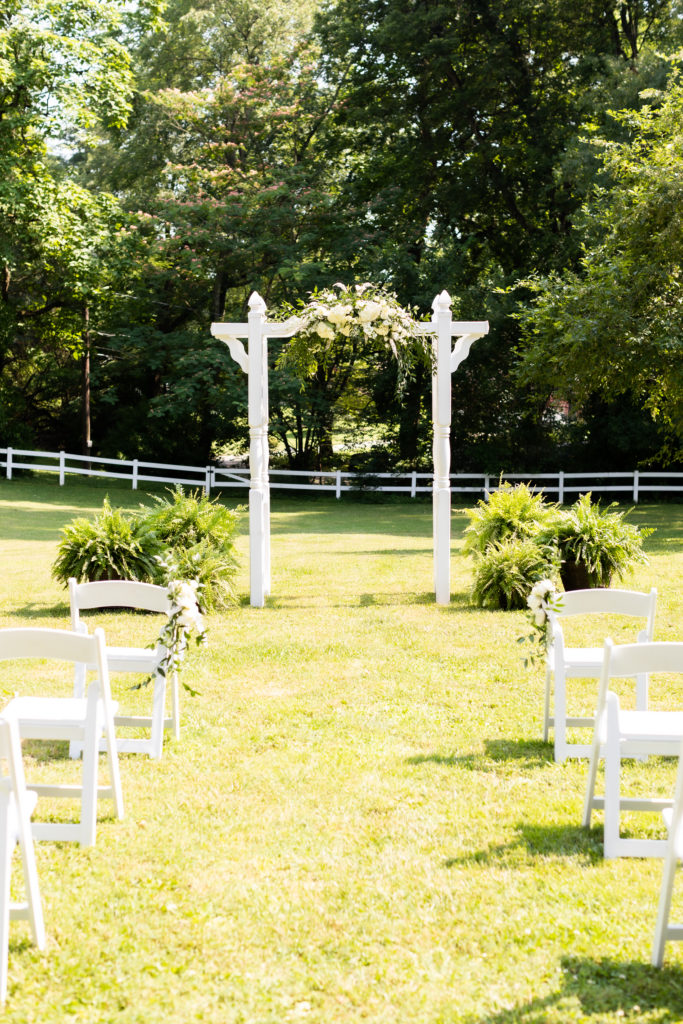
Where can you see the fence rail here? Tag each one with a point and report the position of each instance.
(560, 484)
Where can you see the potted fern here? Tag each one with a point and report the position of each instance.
(595, 545)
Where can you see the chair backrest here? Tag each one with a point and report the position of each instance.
(634, 659)
(641, 659)
(60, 645)
(116, 594)
(606, 601)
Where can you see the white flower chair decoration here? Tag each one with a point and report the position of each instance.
(140, 660)
(620, 733)
(665, 931)
(84, 720)
(16, 805)
(563, 663)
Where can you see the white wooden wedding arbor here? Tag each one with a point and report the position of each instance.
(254, 362)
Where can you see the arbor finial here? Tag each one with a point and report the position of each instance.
(256, 303)
(442, 302)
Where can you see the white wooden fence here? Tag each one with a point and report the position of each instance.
(561, 485)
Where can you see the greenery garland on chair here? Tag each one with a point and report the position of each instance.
(343, 321)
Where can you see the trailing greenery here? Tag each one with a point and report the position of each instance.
(509, 511)
(113, 545)
(184, 536)
(507, 570)
(598, 539)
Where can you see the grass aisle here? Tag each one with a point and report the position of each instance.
(359, 822)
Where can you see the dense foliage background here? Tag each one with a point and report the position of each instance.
(159, 164)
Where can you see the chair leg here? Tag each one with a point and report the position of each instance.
(113, 765)
(75, 746)
(612, 778)
(560, 728)
(7, 839)
(546, 704)
(90, 765)
(158, 712)
(664, 908)
(592, 776)
(175, 707)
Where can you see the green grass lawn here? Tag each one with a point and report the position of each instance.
(360, 821)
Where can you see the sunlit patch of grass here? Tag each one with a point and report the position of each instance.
(359, 822)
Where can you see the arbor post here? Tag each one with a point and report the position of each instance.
(259, 503)
(255, 364)
(445, 362)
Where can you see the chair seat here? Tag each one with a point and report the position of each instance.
(50, 717)
(651, 726)
(583, 661)
(130, 659)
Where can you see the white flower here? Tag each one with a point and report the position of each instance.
(339, 314)
(539, 616)
(534, 601)
(190, 618)
(369, 311)
(325, 331)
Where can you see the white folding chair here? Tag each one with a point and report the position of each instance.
(621, 733)
(140, 660)
(665, 931)
(563, 663)
(81, 719)
(16, 804)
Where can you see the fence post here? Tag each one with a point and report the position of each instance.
(413, 484)
(61, 469)
(560, 487)
(134, 480)
(337, 491)
(207, 481)
(487, 486)
(636, 481)
(9, 463)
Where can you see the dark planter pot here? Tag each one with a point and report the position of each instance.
(575, 576)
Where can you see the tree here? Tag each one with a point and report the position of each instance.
(615, 325)
(463, 120)
(64, 73)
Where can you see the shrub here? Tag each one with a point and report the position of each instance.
(184, 520)
(112, 546)
(507, 570)
(595, 545)
(508, 512)
(186, 536)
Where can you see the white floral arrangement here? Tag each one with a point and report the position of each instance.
(353, 319)
(543, 599)
(184, 620)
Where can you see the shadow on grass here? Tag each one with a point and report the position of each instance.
(531, 754)
(31, 611)
(44, 751)
(596, 988)
(543, 841)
